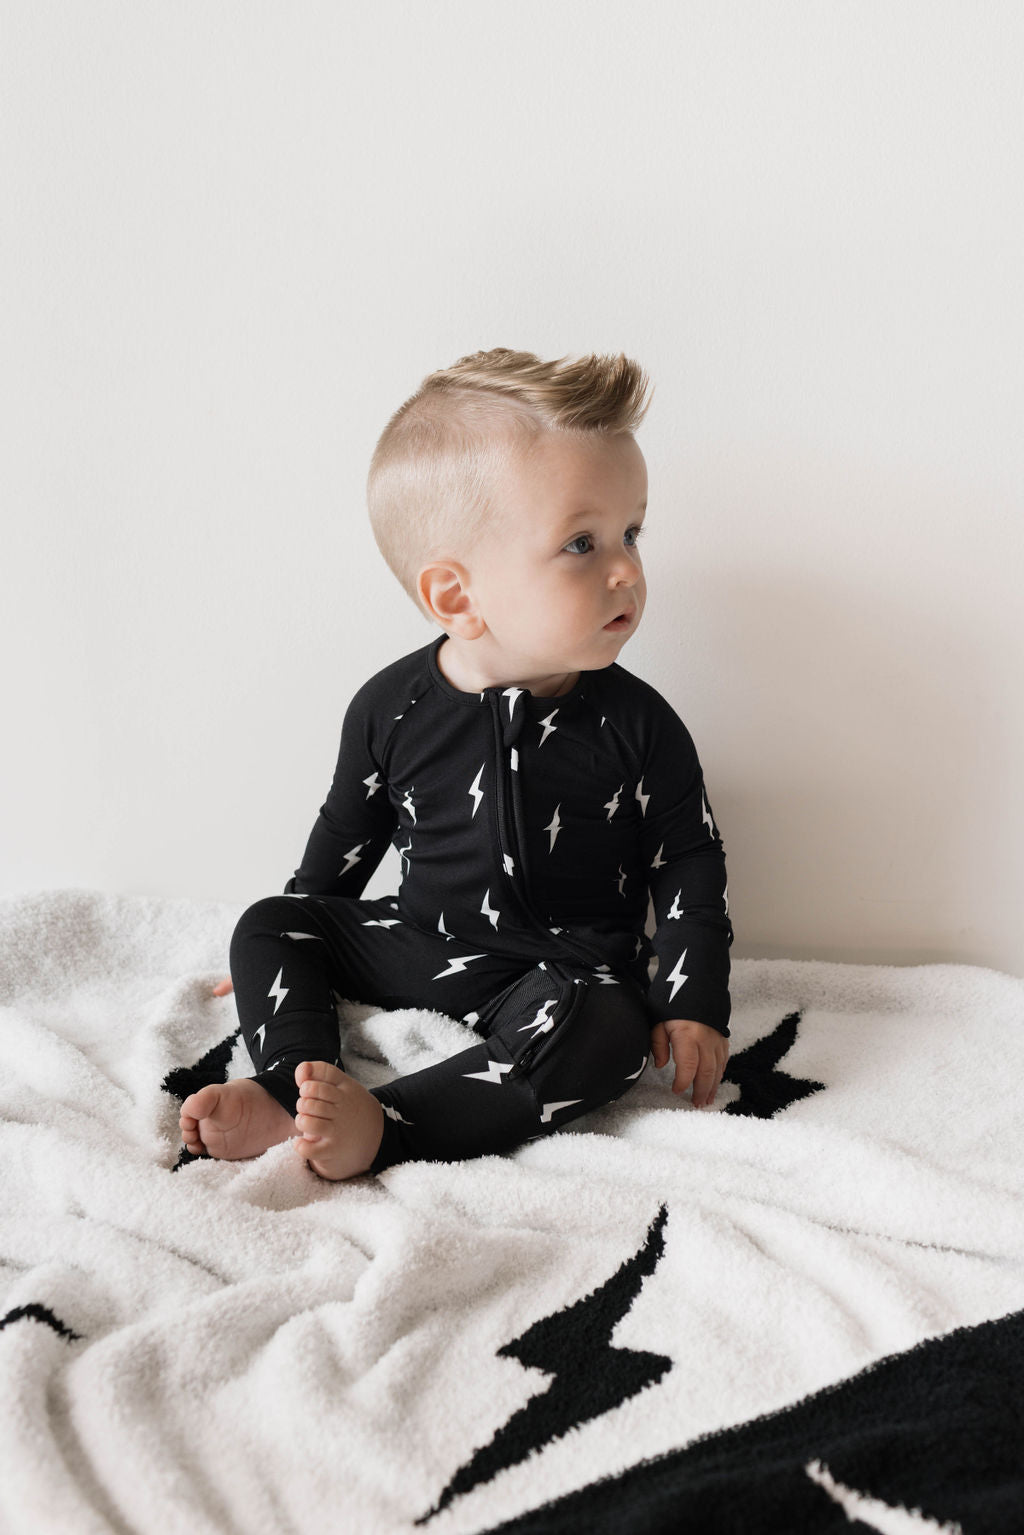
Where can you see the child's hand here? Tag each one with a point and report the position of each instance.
(699, 1052)
(223, 987)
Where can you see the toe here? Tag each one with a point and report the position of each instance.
(318, 1071)
(201, 1105)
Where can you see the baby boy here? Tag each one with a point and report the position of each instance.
(537, 793)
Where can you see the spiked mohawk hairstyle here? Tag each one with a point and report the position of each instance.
(430, 488)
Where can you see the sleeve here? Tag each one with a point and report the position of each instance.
(356, 820)
(686, 878)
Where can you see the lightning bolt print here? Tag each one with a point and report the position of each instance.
(407, 804)
(352, 858)
(259, 1036)
(488, 911)
(642, 798)
(494, 1073)
(677, 977)
(675, 910)
(382, 922)
(613, 804)
(456, 966)
(553, 1108)
(554, 826)
(549, 728)
(586, 1376)
(476, 791)
(395, 1115)
(277, 990)
(372, 783)
(659, 862)
(605, 976)
(706, 814)
(543, 1023)
(510, 867)
(513, 695)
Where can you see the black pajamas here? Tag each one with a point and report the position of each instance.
(531, 831)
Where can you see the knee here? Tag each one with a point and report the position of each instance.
(273, 913)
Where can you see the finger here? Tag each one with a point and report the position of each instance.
(705, 1081)
(687, 1059)
(659, 1045)
(223, 987)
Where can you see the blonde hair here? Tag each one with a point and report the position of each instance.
(430, 487)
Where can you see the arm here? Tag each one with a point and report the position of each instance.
(356, 821)
(689, 995)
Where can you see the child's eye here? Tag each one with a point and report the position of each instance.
(637, 533)
(584, 538)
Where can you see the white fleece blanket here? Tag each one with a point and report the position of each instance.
(243, 1347)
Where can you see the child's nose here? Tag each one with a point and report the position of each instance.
(624, 571)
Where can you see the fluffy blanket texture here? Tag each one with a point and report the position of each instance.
(798, 1308)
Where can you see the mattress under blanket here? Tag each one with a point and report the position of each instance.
(800, 1307)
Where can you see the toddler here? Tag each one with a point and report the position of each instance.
(537, 793)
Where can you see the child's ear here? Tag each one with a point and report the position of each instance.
(444, 592)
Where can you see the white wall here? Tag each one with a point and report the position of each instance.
(238, 234)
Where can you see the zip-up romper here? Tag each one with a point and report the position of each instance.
(530, 832)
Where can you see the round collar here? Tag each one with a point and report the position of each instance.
(535, 706)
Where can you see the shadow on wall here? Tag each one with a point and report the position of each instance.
(866, 802)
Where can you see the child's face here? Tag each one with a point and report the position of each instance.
(559, 583)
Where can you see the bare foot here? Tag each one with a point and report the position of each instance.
(340, 1123)
(233, 1120)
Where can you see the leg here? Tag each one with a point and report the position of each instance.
(560, 1040)
(292, 958)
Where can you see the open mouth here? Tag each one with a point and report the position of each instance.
(622, 622)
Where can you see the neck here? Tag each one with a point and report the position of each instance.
(470, 678)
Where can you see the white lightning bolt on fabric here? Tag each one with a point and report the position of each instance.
(441, 927)
(352, 858)
(706, 815)
(457, 965)
(861, 1508)
(549, 729)
(315, 936)
(277, 990)
(487, 910)
(372, 785)
(554, 826)
(725, 897)
(382, 922)
(636, 1074)
(677, 976)
(514, 760)
(510, 867)
(642, 797)
(394, 1114)
(613, 804)
(512, 694)
(675, 910)
(407, 804)
(605, 976)
(659, 862)
(543, 1023)
(476, 791)
(259, 1035)
(402, 853)
(553, 1108)
(494, 1073)
(622, 879)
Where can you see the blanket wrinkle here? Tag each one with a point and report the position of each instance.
(246, 1349)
